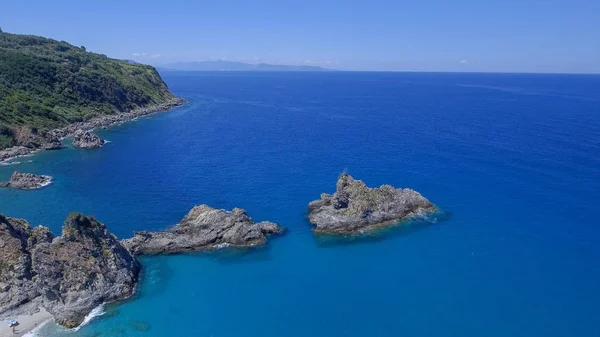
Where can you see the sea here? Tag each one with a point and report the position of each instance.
(511, 160)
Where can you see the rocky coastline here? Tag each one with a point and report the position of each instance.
(204, 228)
(26, 181)
(51, 140)
(354, 207)
(68, 275)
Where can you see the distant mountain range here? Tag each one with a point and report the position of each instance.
(236, 66)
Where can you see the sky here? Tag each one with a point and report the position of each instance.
(381, 35)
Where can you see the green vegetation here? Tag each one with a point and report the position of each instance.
(46, 84)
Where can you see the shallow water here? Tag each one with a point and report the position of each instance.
(513, 160)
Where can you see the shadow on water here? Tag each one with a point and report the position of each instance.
(402, 228)
(156, 274)
(238, 255)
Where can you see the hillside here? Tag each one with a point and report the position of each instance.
(46, 84)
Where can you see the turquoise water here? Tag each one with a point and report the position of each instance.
(513, 160)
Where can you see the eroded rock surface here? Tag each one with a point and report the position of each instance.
(204, 228)
(87, 140)
(355, 207)
(26, 181)
(68, 275)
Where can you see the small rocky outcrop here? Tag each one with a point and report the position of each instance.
(204, 228)
(355, 207)
(52, 142)
(68, 275)
(14, 152)
(87, 140)
(26, 181)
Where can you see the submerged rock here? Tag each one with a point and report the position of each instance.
(204, 228)
(87, 140)
(355, 207)
(26, 181)
(68, 275)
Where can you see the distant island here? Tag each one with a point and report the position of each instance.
(237, 66)
(47, 84)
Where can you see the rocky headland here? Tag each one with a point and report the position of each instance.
(87, 140)
(70, 275)
(67, 275)
(204, 228)
(26, 181)
(30, 142)
(354, 207)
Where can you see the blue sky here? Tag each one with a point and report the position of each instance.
(426, 35)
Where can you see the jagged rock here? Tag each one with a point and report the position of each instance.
(87, 140)
(204, 228)
(27, 145)
(26, 181)
(13, 152)
(52, 142)
(68, 275)
(355, 207)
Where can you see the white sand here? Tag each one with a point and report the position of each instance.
(26, 323)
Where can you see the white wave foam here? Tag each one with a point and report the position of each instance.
(8, 163)
(48, 182)
(34, 332)
(222, 245)
(424, 215)
(96, 312)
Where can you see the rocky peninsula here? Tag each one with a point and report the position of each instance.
(26, 181)
(354, 207)
(31, 142)
(204, 228)
(87, 140)
(67, 275)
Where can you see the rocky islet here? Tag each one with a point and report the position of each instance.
(355, 207)
(204, 228)
(87, 140)
(26, 181)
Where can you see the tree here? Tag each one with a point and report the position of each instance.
(83, 48)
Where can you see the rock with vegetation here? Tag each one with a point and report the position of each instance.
(68, 275)
(204, 228)
(47, 84)
(354, 207)
(87, 140)
(26, 181)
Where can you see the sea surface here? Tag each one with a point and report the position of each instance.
(513, 160)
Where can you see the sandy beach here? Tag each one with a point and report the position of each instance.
(26, 323)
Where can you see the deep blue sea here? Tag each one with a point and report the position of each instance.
(512, 159)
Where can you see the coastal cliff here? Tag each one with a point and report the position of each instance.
(68, 275)
(48, 85)
(204, 228)
(355, 207)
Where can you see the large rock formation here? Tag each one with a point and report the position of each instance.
(355, 207)
(26, 181)
(87, 140)
(68, 275)
(204, 228)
